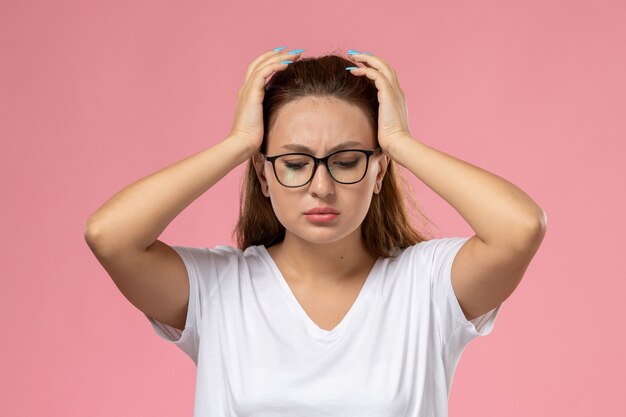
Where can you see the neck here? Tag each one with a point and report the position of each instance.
(323, 263)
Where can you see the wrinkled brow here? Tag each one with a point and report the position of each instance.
(301, 148)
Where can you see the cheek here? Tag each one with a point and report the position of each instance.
(365, 193)
(285, 203)
(362, 203)
(357, 200)
(368, 183)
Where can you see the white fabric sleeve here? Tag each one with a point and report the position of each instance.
(202, 270)
(455, 331)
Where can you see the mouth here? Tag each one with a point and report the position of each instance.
(321, 217)
(321, 210)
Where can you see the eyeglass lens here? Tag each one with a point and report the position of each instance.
(344, 167)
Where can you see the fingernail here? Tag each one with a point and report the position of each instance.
(295, 51)
(353, 52)
(280, 48)
(285, 62)
(351, 68)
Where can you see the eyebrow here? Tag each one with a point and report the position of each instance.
(302, 148)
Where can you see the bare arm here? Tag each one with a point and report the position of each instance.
(136, 216)
(509, 225)
(123, 233)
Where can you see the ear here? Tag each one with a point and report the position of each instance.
(383, 163)
(259, 167)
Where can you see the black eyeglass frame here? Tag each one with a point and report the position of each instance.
(324, 160)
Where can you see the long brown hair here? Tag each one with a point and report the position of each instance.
(387, 225)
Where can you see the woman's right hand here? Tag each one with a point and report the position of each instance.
(248, 121)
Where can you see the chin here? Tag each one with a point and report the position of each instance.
(320, 234)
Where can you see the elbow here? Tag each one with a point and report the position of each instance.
(89, 231)
(538, 226)
(533, 233)
(93, 236)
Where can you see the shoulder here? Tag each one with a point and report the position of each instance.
(440, 246)
(427, 255)
(428, 249)
(217, 256)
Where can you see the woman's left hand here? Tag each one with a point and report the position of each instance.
(392, 114)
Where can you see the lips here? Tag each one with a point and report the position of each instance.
(322, 210)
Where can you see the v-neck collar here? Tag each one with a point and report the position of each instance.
(311, 326)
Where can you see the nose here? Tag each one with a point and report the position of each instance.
(322, 183)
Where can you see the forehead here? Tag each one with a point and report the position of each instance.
(320, 124)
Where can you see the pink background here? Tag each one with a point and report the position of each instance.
(95, 95)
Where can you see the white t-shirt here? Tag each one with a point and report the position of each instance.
(259, 354)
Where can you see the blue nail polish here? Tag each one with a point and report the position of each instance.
(280, 48)
(351, 68)
(285, 62)
(353, 52)
(295, 51)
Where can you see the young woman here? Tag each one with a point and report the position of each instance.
(332, 304)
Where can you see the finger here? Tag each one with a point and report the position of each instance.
(372, 61)
(254, 64)
(375, 62)
(380, 79)
(263, 67)
(278, 63)
(267, 57)
(259, 76)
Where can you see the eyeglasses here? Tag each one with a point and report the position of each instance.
(347, 166)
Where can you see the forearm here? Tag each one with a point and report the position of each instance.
(136, 216)
(499, 212)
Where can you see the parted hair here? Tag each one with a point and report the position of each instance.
(387, 225)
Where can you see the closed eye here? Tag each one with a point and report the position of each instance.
(346, 164)
(294, 166)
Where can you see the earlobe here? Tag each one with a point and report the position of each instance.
(258, 168)
(383, 164)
